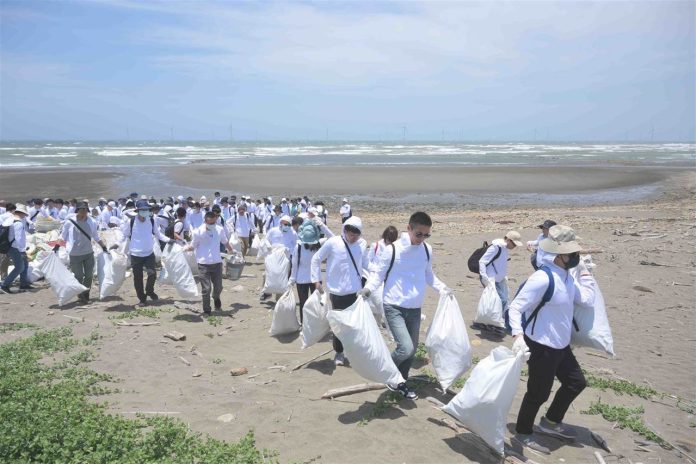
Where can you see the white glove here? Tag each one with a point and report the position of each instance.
(488, 281)
(519, 346)
(446, 292)
(365, 293)
(291, 282)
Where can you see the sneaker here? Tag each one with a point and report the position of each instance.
(340, 359)
(27, 287)
(153, 296)
(556, 429)
(264, 296)
(141, 304)
(478, 326)
(218, 304)
(530, 442)
(6, 289)
(404, 391)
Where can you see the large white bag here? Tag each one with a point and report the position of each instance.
(156, 249)
(483, 404)
(593, 324)
(490, 308)
(111, 272)
(284, 315)
(264, 249)
(448, 343)
(191, 260)
(63, 283)
(277, 271)
(315, 325)
(376, 304)
(178, 270)
(234, 241)
(255, 245)
(34, 272)
(364, 346)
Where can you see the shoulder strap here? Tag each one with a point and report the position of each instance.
(497, 255)
(36, 213)
(391, 264)
(351, 257)
(427, 253)
(299, 253)
(81, 230)
(544, 299)
(152, 221)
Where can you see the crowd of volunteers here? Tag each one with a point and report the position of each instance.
(192, 241)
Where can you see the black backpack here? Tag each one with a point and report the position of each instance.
(473, 262)
(169, 231)
(5, 242)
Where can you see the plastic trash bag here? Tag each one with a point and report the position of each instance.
(63, 282)
(264, 249)
(255, 245)
(34, 272)
(315, 324)
(111, 272)
(277, 271)
(363, 344)
(490, 308)
(483, 404)
(178, 270)
(284, 315)
(448, 342)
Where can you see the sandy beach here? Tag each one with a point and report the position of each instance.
(650, 307)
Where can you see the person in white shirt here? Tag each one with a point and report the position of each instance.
(405, 270)
(206, 241)
(284, 207)
(273, 220)
(345, 210)
(346, 257)
(284, 235)
(8, 213)
(195, 216)
(78, 232)
(217, 198)
(243, 223)
(108, 212)
(537, 255)
(493, 267)
(545, 336)
(140, 230)
(389, 236)
(17, 250)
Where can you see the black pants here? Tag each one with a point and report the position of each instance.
(544, 364)
(303, 292)
(338, 303)
(148, 263)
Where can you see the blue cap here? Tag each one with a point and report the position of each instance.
(142, 205)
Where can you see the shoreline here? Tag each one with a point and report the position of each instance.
(366, 186)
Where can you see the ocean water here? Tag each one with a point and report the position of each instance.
(130, 154)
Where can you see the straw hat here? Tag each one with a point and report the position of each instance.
(561, 241)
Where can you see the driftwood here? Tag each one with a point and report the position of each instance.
(353, 389)
(184, 360)
(599, 458)
(174, 335)
(300, 366)
(136, 324)
(79, 319)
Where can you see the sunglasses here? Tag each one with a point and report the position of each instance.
(422, 235)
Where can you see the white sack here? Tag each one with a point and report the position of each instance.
(191, 260)
(264, 249)
(112, 272)
(483, 404)
(63, 282)
(64, 256)
(234, 240)
(376, 304)
(255, 245)
(156, 249)
(179, 271)
(593, 323)
(448, 343)
(363, 344)
(34, 272)
(277, 271)
(315, 325)
(284, 315)
(490, 308)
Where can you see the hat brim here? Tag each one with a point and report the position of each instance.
(517, 243)
(562, 248)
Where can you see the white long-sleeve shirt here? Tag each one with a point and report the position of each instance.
(272, 221)
(206, 244)
(496, 270)
(17, 232)
(194, 218)
(534, 244)
(341, 275)
(302, 263)
(76, 243)
(345, 211)
(554, 321)
(242, 224)
(276, 237)
(141, 240)
(412, 270)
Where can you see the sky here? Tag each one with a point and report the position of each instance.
(358, 70)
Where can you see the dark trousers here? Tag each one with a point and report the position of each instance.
(545, 364)
(338, 303)
(148, 263)
(303, 292)
(210, 275)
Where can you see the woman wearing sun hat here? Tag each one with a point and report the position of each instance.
(547, 336)
(301, 269)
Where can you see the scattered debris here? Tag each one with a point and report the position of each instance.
(600, 441)
(184, 360)
(78, 319)
(353, 389)
(650, 263)
(239, 371)
(176, 336)
(227, 418)
(136, 324)
(640, 288)
(196, 374)
(237, 288)
(300, 366)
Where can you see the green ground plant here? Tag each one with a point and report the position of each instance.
(625, 418)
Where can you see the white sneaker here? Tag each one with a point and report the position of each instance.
(530, 442)
(556, 429)
(340, 359)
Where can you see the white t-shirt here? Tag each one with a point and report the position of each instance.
(206, 244)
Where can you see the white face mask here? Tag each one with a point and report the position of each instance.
(285, 228)
(210, 227)
(145, 214)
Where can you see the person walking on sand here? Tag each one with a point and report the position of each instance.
(493, 267)
(140, 230)
(78, 232)
(346, 257)
(15, 228)
(545, 335)
(533, 245)
(243, 223)
(301, 261)
(346, 212)
(405, 270)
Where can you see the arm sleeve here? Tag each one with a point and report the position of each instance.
(65, 232)
(294, 264)
(379, 269)
(93, 229)
(528, 298)
(160, 237)
(430, 277)
(317, 259)
(195, 240)
(325, 229)
(487, 258)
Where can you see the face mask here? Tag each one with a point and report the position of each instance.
(573, 260)
(285, 228)
(210, 227)
(145, 214)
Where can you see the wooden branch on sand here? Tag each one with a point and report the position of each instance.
(136, 324)
(300, 366)
(353, 389)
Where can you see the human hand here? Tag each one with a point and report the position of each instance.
(446, 292)
(365, 293)
(56, 248)
(291, 282)
(519, 346)
(318, 287)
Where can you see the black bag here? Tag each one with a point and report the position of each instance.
(5, 242)
(473, 262)
(169, 231)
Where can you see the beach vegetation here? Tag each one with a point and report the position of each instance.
(625, 418)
